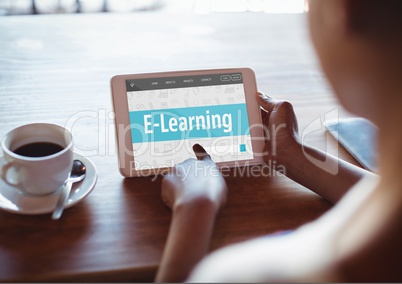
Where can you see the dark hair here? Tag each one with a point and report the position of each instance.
(379, 18)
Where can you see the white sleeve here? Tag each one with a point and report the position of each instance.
(305, 253)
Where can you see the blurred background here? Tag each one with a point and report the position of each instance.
(27, 7)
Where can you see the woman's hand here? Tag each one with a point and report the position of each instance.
(195, 190)
(329, 177)
(280, 127)
(194, 181)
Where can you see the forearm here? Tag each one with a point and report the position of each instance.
(322, 173)
(188, 240)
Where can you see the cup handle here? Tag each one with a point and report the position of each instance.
(4, 171)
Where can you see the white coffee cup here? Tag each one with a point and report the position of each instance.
(32, 174)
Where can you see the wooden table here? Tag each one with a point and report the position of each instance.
(57, 69)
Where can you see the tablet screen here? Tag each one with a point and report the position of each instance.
(169, 115)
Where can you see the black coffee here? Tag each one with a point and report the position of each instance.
(38, 149)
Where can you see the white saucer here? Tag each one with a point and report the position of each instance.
(13, 201)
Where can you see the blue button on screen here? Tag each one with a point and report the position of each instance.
(243, 148)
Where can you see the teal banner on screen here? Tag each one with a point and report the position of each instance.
(189, 123)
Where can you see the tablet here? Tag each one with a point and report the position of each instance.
(160, 116)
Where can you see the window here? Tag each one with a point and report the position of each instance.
(16, 7)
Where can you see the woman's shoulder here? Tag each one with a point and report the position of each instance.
(306, 254)
(369, 245)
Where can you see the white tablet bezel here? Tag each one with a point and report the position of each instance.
(122, 121)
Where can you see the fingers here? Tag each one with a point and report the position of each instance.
(265, 102)
(264, 116)
(200, 152)
(167, 192)
(269, 104)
